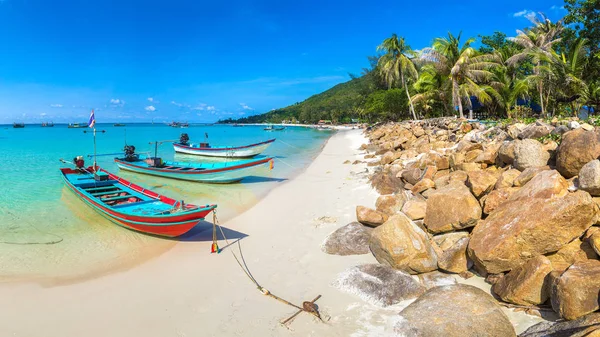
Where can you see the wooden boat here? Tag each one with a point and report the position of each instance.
(216, 172)
(274, 128)
(204, 149)
(77, 125)
(132, 206)
(47, 125)
(118, 124)
(18, 125)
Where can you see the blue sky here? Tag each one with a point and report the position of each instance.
(198, 60)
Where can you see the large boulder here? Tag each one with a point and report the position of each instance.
(391, 204)
(412, 175)
(370, 217)
(451, 249)
(401, 244)
(575, 293)
(586, 326)
(506, 153)
(507, 178)
(386, 182)
(379, 285)
(423, 186)
(589, 177)
(527, 284)
(451, 207)
(530, 153)
(352, 239)
(453, 311)
(481, 182)
(496, 198)
(523, 228)
(574, 251)
(536, 130)
(545, 185)
(415, 209)
(578, 147)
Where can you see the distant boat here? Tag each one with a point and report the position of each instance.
(274, 128)
(132, 206)
(77, 125)
(47, 125)
(18, 125)
(179, 124)
(118, 124)
(217, 173)
(204, 149)
(237, 125)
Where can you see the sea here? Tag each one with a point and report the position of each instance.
(49, 236)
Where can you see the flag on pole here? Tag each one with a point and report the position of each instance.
(92, 121)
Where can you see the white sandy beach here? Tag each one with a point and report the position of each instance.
(189, 292)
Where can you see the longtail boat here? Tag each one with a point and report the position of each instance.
(132, 206)
(204, 149)
(217, 172)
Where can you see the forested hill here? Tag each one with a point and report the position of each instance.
(341, 103)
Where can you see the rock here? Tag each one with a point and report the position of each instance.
(423, 186)
(442, 181)
(459, 176)
(506, 153)
(388, 158)
(401, 244)
(472, 155)
(469, 167)
(370, 217)
(530, 153)
(415, 209)
(589, 177)
(456, 159)
(481, 182)
(451, 207)
(578, 147)
(467, 146)
(520, 229)
(412, 176)
(573, 125)
(574, 251)
(352, 239)
(585, 326)
(536, 130)
(515, 129)
(429, 172)
(587, 127)
(379, 285)
(386, 183)
(391, 204)
(453, 311)
(546, 184)
(489, 155)
(528, 174)
(436, 279)
(559, 130)
(594, 241)
(507, 178)
(526, 284)
(496, 198)
(575, 293)
(451, 249)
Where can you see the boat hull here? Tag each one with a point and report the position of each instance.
(171, 225)
(226, 152)
(224, 175)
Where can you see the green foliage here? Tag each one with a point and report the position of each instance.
(550, 137)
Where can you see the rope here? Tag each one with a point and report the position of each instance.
(312, 310)
(60, 239)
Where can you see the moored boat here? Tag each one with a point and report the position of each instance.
(47, 125)
(18, 125)
(132, 206)
(214, 172)
(118, 124)
(205, 149)
(77, 125)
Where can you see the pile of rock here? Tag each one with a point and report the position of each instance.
(466, 198)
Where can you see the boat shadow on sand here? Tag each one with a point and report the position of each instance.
(204, 232)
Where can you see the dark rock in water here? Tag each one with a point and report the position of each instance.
(386, 183)
(352, 239)
(581, 327)
(379, 284)
(453, 311)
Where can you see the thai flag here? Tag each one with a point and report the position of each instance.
(92, 121)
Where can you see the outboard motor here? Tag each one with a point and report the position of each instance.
(184, 139)
(79, 162)
(130, 153)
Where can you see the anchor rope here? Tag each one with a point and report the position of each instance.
(58, 240)
(246, 270)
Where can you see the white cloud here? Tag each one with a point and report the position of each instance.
(117, 102)
(245, 106)
(200, 107)
(150, 99)
(56, 105)
(526, 13)
(210, 108)
(176, 104)
(557, 8)
(150, 108)
(43, 114)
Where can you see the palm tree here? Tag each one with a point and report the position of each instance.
(538, 46)
(396, 64)
(464, 67)
(569, 70)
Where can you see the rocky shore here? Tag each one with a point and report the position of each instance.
(514, 203)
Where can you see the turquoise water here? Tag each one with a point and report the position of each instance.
(48, 234)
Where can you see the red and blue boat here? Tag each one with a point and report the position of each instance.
(132, 206)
